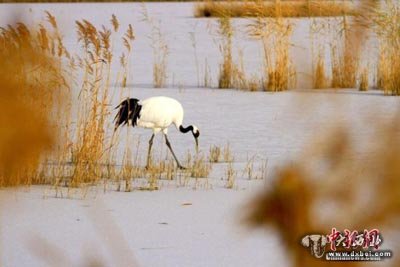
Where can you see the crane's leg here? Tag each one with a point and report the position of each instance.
(149, 151)
(173, 154)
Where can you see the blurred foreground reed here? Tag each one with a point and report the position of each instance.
(334, 186)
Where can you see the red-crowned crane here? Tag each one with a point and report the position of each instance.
(156, 113)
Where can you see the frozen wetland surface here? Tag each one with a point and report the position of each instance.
(181, 226)
(157, 227)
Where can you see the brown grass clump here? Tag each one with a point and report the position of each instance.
(240, 79)
(129, 171)
(199, 167)
(227, 67)
(231, 74)
(343, 49)
(227, 153)
(320, 79)
(230, 176)
(388, 28)
(215, 154)
(296, 204)
(275, 37)
(251, 173)
(364, 81)
(291, 9)
(33, 87)
(344, 68)
(344, 59)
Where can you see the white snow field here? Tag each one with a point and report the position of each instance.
(197, 224)
(158, 228)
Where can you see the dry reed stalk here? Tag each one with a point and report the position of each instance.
(344, 69)
(291, 9)
(388, 28)
(160, 50)
(263, 170)
(240, 79)
(260, 173)
(275, 35)
(163, 169)
(320, 79)
(127, 39)
(344, 62)
(230, 176)
(196, 58)
(91, 146)
(227, 153)
(344, 59)
(129, 171)
(152, 179)
(249, 168)
(200, 168)
(227, 67)
(320, 30)
(214, 154)
(364, 82)
(92, 107)
(207, 75)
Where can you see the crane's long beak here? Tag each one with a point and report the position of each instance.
(197, 144)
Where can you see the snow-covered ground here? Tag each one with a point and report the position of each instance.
(157, 227)
(180, 226)
(171, 227)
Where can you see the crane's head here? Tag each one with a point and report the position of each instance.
(196, 134)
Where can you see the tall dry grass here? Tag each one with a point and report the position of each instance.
(292, 9)
(364, 79)
(96, 57)
(92, 149)
(36, 78)
(388, 30)
(231, 73)
(274, 34)
(334, 35)
(320, 78)
(344, 67)
(319, 30)
(278, 72)
(34, 87)
(160, 50)
(226, 68)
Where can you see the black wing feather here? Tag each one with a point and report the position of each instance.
(129, 110)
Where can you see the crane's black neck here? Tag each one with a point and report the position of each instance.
(185, 130)
(191, 129)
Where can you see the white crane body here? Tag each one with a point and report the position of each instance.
(159, 112)
(156, 113)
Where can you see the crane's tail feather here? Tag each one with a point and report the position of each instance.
(129, 110)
